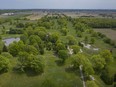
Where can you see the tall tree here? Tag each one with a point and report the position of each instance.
(63, 54)
(98, 63)
(30, 62)
(80, 59)
(106, 54)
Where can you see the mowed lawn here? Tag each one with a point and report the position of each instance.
(108, 32)
(53, 72)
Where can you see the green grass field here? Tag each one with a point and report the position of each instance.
(55, 74)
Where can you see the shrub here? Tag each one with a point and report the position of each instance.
(4, 64)
(63, 54)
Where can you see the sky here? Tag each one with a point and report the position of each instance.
(57, 4)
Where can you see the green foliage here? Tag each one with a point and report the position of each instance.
(49, 46)
(4, 64)
(63, 54)
(34, 39)
(42, 35)
(94, 34)
(15, 48)
(51, 32)
(54, 37)
(30, 49)
(71, 40)
(98, 63)
(86, 39)
(1, 46)
(3, 31)
(106, 54)
(15, 31)
(45, 22)
(5, 49)
(24, 38)
(92, 40)
(75, 48)
(80, 59)
(30, 62)
(41, 49)
(107, 40)
(60, 46)
(80, 27)
(0, 37)
(41, 32)
(79, 34)
(101, 35)
(98, 22)
(29, 31)
(7, 55)
(91, 84)
(62, 22)
(20, 25)
(64, 31)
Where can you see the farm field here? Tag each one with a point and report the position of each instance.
(110, 33)
(36, 16)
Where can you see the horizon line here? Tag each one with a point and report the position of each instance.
(55, 9)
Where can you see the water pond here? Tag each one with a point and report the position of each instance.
(10, 40)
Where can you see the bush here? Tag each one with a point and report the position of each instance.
(6, 54)
(4, 64)
(92, 40)
(15, 31)
(91, 84)
(76, 49)
(63, 54)
(79, 34)
(20, 25)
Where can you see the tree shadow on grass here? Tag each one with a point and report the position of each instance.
(17, 70)
(29, 72)
(2, 72)
(59, 62)
(72, 70)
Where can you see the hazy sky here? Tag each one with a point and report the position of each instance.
(58, 4)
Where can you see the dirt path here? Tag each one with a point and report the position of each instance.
(80, 67)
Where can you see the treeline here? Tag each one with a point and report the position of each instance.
(97, 22)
